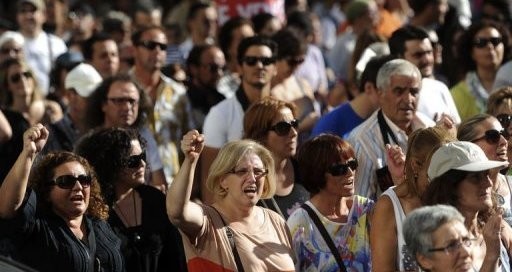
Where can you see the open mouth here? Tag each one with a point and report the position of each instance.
(77, 198)
(251, 190)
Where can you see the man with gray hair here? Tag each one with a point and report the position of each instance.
(398, 86)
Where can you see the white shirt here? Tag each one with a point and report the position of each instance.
(435, 99)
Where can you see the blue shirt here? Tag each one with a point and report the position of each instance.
(339, 121)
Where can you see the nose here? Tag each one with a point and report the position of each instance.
(78, 186)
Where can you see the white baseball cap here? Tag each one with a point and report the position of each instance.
(460, 155)
(84, 79)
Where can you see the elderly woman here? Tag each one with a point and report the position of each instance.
(335, 222)
(272, 123)
(438, 240)
(398, 201)
(11, 46)
(137, 211)
(233, 233)
(460, 177)
(482, 49)
(57, 215)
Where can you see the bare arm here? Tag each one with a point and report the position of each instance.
(15, 183)
(383, 236)
(183, 213)
(5, 129)
(492, 234)
(209, 154)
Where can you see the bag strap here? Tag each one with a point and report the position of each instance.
(325, 235)
(231, 238)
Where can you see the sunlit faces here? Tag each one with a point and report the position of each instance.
(133, 173)
(151, 59)
(105, 58)
(493, 151)
(399, 100)
(341, 181)
(20, 82)
(487, 52)
(122, 104)
(420, 53)
(259, 74)
(69, 203)
(282, 146)
(474, 192)
(245, 183)
(29, 18)
(457, 254)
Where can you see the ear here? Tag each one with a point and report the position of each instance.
(424, 262)
(223, 183)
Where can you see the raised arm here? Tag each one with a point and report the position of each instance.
(15, 183)
(5, 129)
(183, 213)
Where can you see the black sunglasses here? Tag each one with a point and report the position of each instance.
(69, 181)
(482, 42)
(341, 169)
(17, 77)
(214, 68)
(251, 61)
(135, 161)
(493, 136)
(295, 61)
(151, 45)
(504, 119)
(283, 128)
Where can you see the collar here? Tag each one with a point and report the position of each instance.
(242, 98)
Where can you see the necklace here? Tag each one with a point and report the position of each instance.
(126, 218)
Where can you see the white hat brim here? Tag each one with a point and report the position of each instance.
(481, 166)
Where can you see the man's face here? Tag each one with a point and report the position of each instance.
(420, 53)
(399, 101)
(29, 17)
(122, 105)
(205, 23)
(258, 66)
(211, 67)
(150, 52)
(105, 58)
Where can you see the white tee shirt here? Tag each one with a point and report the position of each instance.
(224, 123)
(435, 99)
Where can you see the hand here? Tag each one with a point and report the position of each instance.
(446, 122)
(396, 162)
(34, 139)
(492, 235)
(192, 144)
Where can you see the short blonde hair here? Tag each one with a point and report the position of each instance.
(229, 157)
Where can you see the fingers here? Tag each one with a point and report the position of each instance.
(192, 142)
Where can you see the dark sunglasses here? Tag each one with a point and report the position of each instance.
(69, 181)
(482, 42)
(214, 68)
(283, 128)
(135, 161)
(295, 61)
(120, 101)
(251, 61)
(151, 45)
(493, 136)
(17, 77)
(504, 119)
(341, 169)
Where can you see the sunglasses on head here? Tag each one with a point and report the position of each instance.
(17, 77)
(283, 128)
(295, 61)
(504, 119)
(341, 169)
(251, 61)
(69, 181)
(135, 161)
(151, 45)
(492, 136)
(482, 42)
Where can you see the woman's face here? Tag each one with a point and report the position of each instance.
(456, 256)
(493, 150)
(474, 192)
(287, 66)
(488, 49)
(133, 174)
(284, 146)
(70, 203)
(341, 181)
(244, 184)
(20, 81)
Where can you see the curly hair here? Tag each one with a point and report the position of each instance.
(108, 150)
(44, 171)
(499, 97)
(6, 97)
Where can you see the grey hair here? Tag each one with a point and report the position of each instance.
(467, 131)
(396, 67)
(420, 224)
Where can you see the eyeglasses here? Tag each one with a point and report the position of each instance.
(151, 45)
(214, 68)
(295, 61)
(493, 136)
(69, 181)
(504, 119)
(16, 78)
(283, 128)
(341, 169)
(454, 245)
(135, 161)
(7, 51)
(119, 101)
(251, 61)
(244, 172)
(482, 42)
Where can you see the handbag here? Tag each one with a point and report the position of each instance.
(229, 233)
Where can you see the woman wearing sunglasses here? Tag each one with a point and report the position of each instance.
(137, 211)
(486, 131)
(482, 49)
(499, 105)
(330, 232)
(272, 123)
(56, 215)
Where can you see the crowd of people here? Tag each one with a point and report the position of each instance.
(279, 135)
